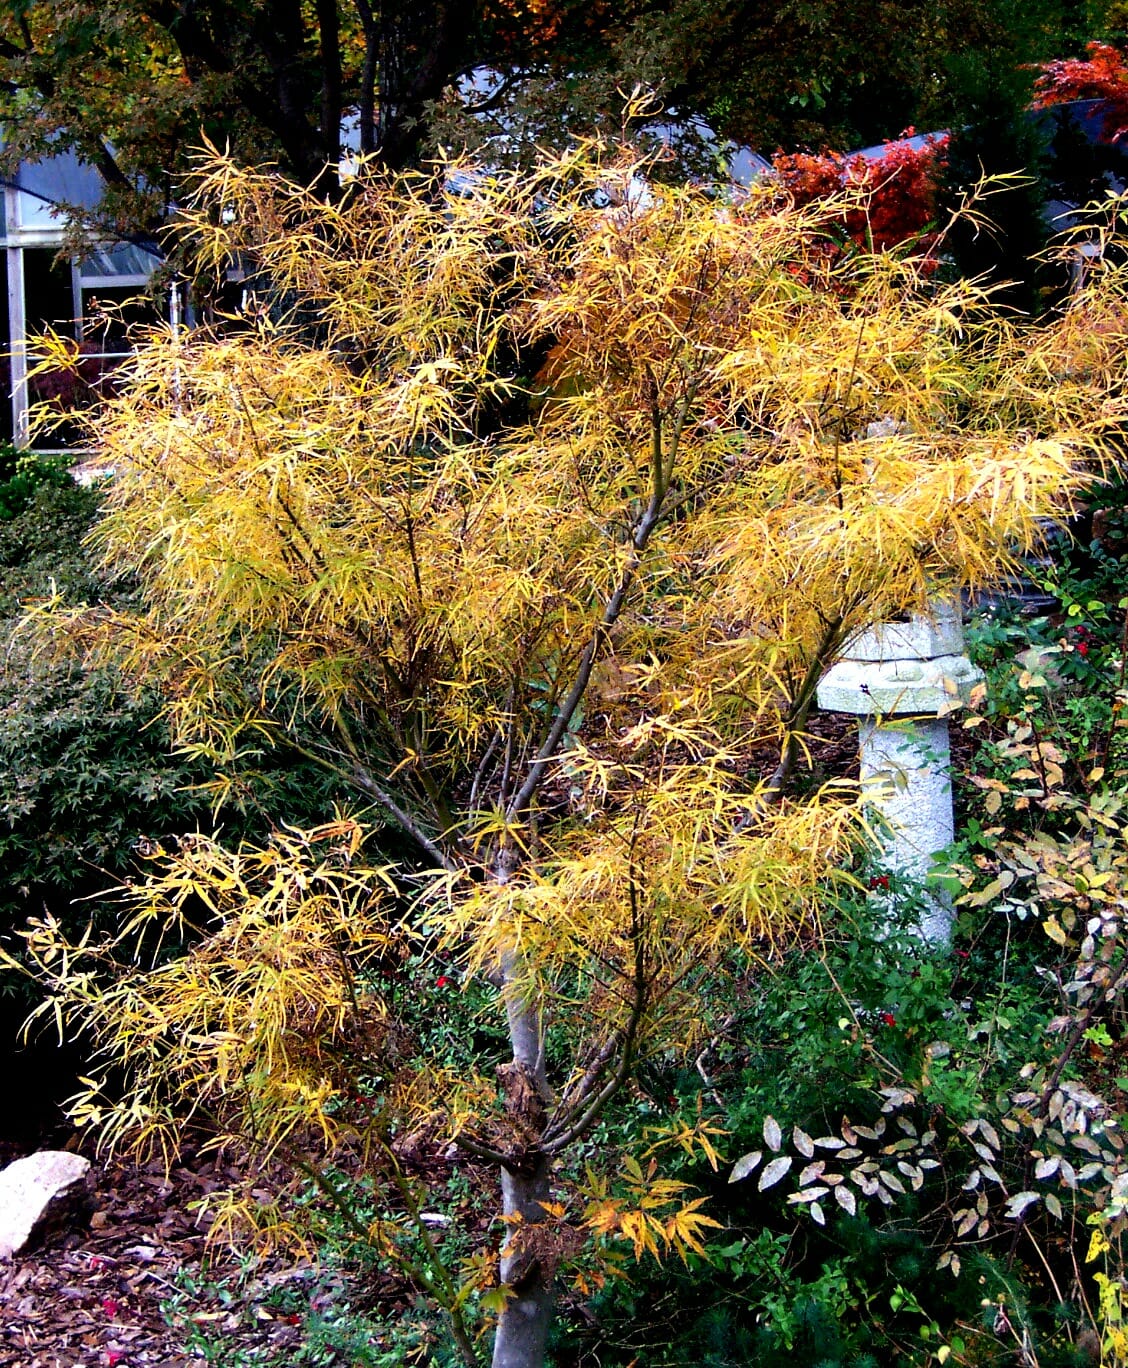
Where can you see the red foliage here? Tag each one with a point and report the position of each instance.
(810, 176)
(1101, 76)
(552, 28)
(900, 188)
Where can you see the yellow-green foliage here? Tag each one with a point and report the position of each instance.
(327, 493)
(568, 652)
(259, 1023)
(746, 445)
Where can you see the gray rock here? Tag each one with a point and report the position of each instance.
(41, 1195)
(898, 688)
(920, 638)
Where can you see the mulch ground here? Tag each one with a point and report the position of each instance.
(95, 1298)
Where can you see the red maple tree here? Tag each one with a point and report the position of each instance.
(1101, 76)
(900, 188)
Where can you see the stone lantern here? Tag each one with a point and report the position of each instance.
(900, 680)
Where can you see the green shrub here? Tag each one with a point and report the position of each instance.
(23, 473)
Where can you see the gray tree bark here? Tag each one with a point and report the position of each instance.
(522, 1331)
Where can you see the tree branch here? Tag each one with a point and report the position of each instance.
(329, 34)
(356, 773)
(200, 50)
(661, 473)
(439, 63)
(481, 1151)
(555, 1140)
(367, 105)
(365, 781)
(800, 709)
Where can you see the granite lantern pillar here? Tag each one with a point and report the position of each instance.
(900, 679)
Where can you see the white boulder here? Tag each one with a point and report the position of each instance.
(39, 1195)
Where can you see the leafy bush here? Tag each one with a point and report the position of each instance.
(929, 1154)
(87, 778)
(905, 1084)
(42, 544)
(23, 473)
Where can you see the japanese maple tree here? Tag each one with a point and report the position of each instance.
(1100, 76)
(895, 199)
(563, 641)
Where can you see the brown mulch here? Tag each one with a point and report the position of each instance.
(94, 1299)
(832, 740)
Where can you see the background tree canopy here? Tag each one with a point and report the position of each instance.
(136, 85)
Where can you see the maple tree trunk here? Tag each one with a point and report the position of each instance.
(523, 1327)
